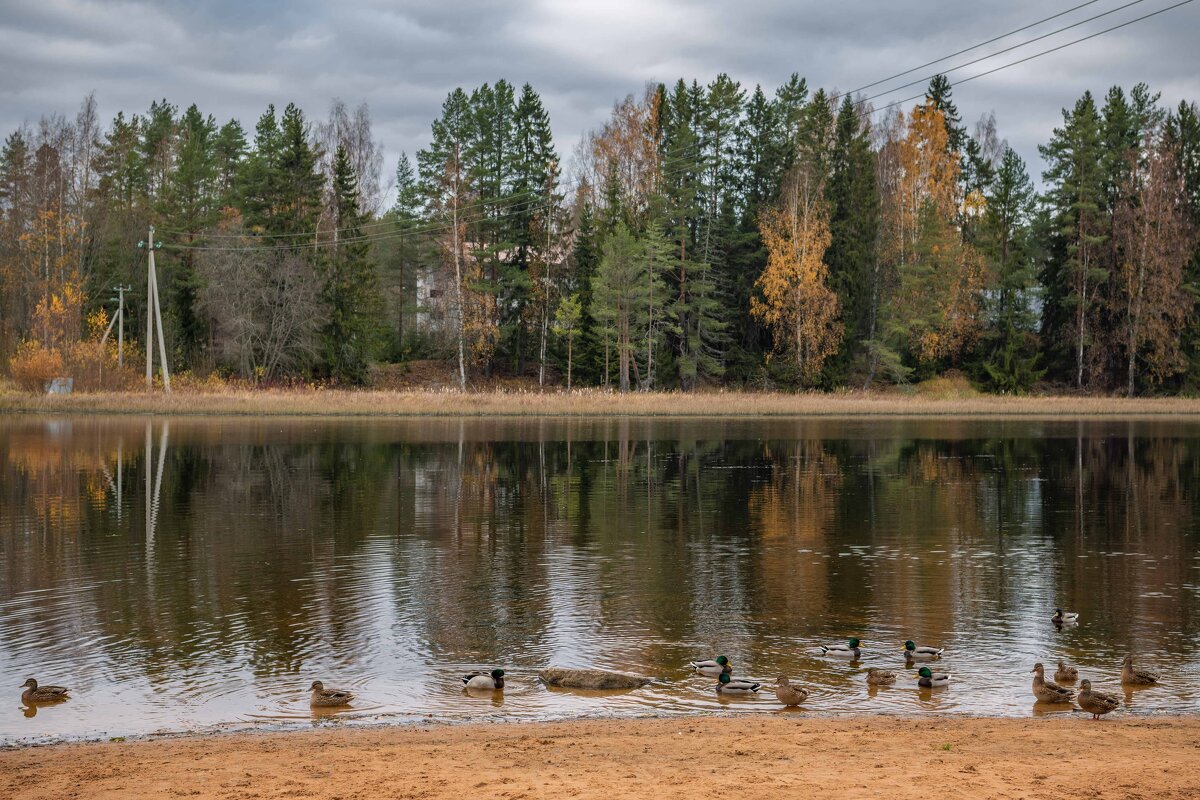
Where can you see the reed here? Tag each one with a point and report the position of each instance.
(581, 403)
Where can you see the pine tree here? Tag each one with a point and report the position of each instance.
(349, 292)
(940, 95)
(1074, 267)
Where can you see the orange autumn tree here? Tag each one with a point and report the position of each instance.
(934, 311)
(796, 302)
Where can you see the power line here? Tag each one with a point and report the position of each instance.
(1043, 53)
(1007, 49)
(975, 46)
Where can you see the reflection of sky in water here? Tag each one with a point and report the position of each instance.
(202, 573)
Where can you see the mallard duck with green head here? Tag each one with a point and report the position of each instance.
(914, 653)
(729, 685)
(713, 666)
(1136, 677)
(328, 698)
(1095, 703)
(787, 694)
(1048, 691)
(42, 694)
(1064, 617)
(927, 678)
(485, 680)
(851, 650)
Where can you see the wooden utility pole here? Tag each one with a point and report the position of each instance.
(153, 317)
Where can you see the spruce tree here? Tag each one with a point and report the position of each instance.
(349, 291)
(1011, 359)
(854, 230)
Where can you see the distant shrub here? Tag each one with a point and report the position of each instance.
(33, 366)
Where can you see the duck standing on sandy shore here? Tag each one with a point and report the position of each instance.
(1095, 703)
(484, 680)
(328, 698)
(41, 694)
(1136, 677)
(787, 694)
(1048, 691)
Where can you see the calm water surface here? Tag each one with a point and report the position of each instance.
(192, 574)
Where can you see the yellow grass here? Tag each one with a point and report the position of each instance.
(582, 403)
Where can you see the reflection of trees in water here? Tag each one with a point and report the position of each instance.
(275, 542)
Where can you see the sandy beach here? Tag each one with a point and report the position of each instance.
(781, 755)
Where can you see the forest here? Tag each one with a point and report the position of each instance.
(703, 235)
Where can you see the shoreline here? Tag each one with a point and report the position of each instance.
(586, 403)
(749, 756)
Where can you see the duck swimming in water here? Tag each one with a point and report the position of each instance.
(914, 653)
(880, 677)
(41, 694)
(1065, 674)
(1064, 617)
(485, 680)
(1136, 677)
(713, 667)
(328, 698)
(928, 678)
(728, 685)
(849, 650)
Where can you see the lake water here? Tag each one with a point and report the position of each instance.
(200, 573)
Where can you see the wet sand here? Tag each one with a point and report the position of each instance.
(782, 755)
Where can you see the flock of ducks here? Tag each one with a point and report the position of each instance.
(1046, 691)
(1091, 701)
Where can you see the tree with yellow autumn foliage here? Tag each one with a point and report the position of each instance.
(795, 300)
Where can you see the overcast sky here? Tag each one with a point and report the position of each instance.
(233, 57)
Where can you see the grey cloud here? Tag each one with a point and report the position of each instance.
(233, 58)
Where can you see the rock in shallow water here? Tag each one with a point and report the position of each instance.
(591, 679)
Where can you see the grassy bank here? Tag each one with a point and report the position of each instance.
(589, 403)
(751, 757)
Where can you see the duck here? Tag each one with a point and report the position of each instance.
(1048, 691)
(1136, 677)
(728, 685)
(328, 698)
(928, 678)
(914, 653)
(41, 694)
(787, 694)
(485, 680)
(850, 650)
(880, 677)
(1095, 703)
(1064, 617)
(1065, 674)
(712, 667)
